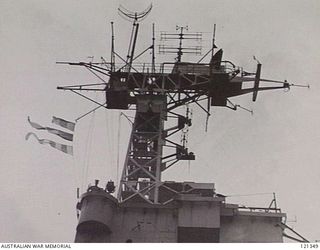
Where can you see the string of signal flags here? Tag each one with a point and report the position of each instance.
(70, 126)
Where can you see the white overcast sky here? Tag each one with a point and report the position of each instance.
(275, 150)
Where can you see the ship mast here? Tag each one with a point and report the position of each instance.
(144, 162)
(156, 93)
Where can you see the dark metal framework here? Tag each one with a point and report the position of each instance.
(155, 91)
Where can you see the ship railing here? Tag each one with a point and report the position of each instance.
(260, 209)
(147, 68)
(182, 67)
(198, 68)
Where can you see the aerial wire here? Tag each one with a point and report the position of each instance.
(112, 167)
(88, 150)
(75, 162)
(118, 148)
(252, 194)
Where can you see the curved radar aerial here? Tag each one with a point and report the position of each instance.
(134, 16)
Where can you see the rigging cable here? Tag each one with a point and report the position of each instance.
(74, 161)
(87, 152)
(253, 194)
(118, 148)
(112, 148)
(109, 121)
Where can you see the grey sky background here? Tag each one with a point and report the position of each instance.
(275, 150)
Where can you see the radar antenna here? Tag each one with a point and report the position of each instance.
(135, 16)
(180, 50)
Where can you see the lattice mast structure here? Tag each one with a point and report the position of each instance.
(156, 93)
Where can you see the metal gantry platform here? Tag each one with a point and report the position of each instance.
(155, 91)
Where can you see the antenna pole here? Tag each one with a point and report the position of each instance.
(213, 40)
(136, 26)
(208, 113)
(180, 43)
(112, 49)
(153, 69)
(275, 200)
